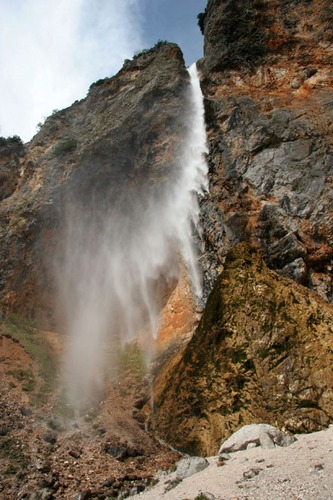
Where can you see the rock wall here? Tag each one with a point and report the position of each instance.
(123, 138)
(263, 352)
(263, 349)
(268, 90)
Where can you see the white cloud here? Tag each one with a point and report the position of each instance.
(51, 51)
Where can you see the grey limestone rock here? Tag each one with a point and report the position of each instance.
(189, 466)
(263, 435)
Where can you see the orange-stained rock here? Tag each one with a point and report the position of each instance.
(268, 85)
(180, 315)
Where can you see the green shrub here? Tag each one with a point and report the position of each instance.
(98, 83)
(66, 146)
(7, 141)
(157, 45)
(201, 20)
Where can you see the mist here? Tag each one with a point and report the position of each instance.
(120, 260)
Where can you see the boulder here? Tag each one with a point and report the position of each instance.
(263, 435)
(189, 466)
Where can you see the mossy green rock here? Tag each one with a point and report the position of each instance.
(263, 352)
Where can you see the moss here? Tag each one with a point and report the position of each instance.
(9, 450)
(249, 365)
(252, 314)
(263, 353)
(130, 362)
(281, 347)
(243, 253)
(238, 355)
(29, 385)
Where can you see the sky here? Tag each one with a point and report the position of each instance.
(52, 50)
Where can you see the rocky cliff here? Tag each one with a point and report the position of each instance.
(267, 81)
(263, 352)
(99, 153)
(263, 349)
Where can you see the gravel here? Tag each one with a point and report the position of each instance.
(303, 470)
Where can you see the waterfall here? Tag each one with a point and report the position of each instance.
(115, 271)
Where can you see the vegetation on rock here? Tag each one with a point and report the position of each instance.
(66, 146)
(7, 141)
(263, 352)
(40, 385)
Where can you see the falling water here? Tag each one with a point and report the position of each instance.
(115, 270)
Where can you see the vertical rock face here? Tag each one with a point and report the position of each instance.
(123, 138)
(263, 349)
(11, 150)
(267, 79)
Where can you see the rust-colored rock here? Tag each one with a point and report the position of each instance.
(268, 84)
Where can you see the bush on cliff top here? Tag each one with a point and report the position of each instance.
(7, 141)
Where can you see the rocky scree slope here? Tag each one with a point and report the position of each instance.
(46, 451)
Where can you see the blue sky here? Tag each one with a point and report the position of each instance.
(52, 50)
(176, 21)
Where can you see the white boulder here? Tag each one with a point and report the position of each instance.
(263, 435)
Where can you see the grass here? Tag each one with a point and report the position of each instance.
(26, 377)
(31, 339)
(131, 362)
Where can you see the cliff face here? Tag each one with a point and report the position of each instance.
(267, 80)
(123, 138)
(262, 351)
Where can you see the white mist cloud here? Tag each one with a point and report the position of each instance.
(51, 51)
(118, 263)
